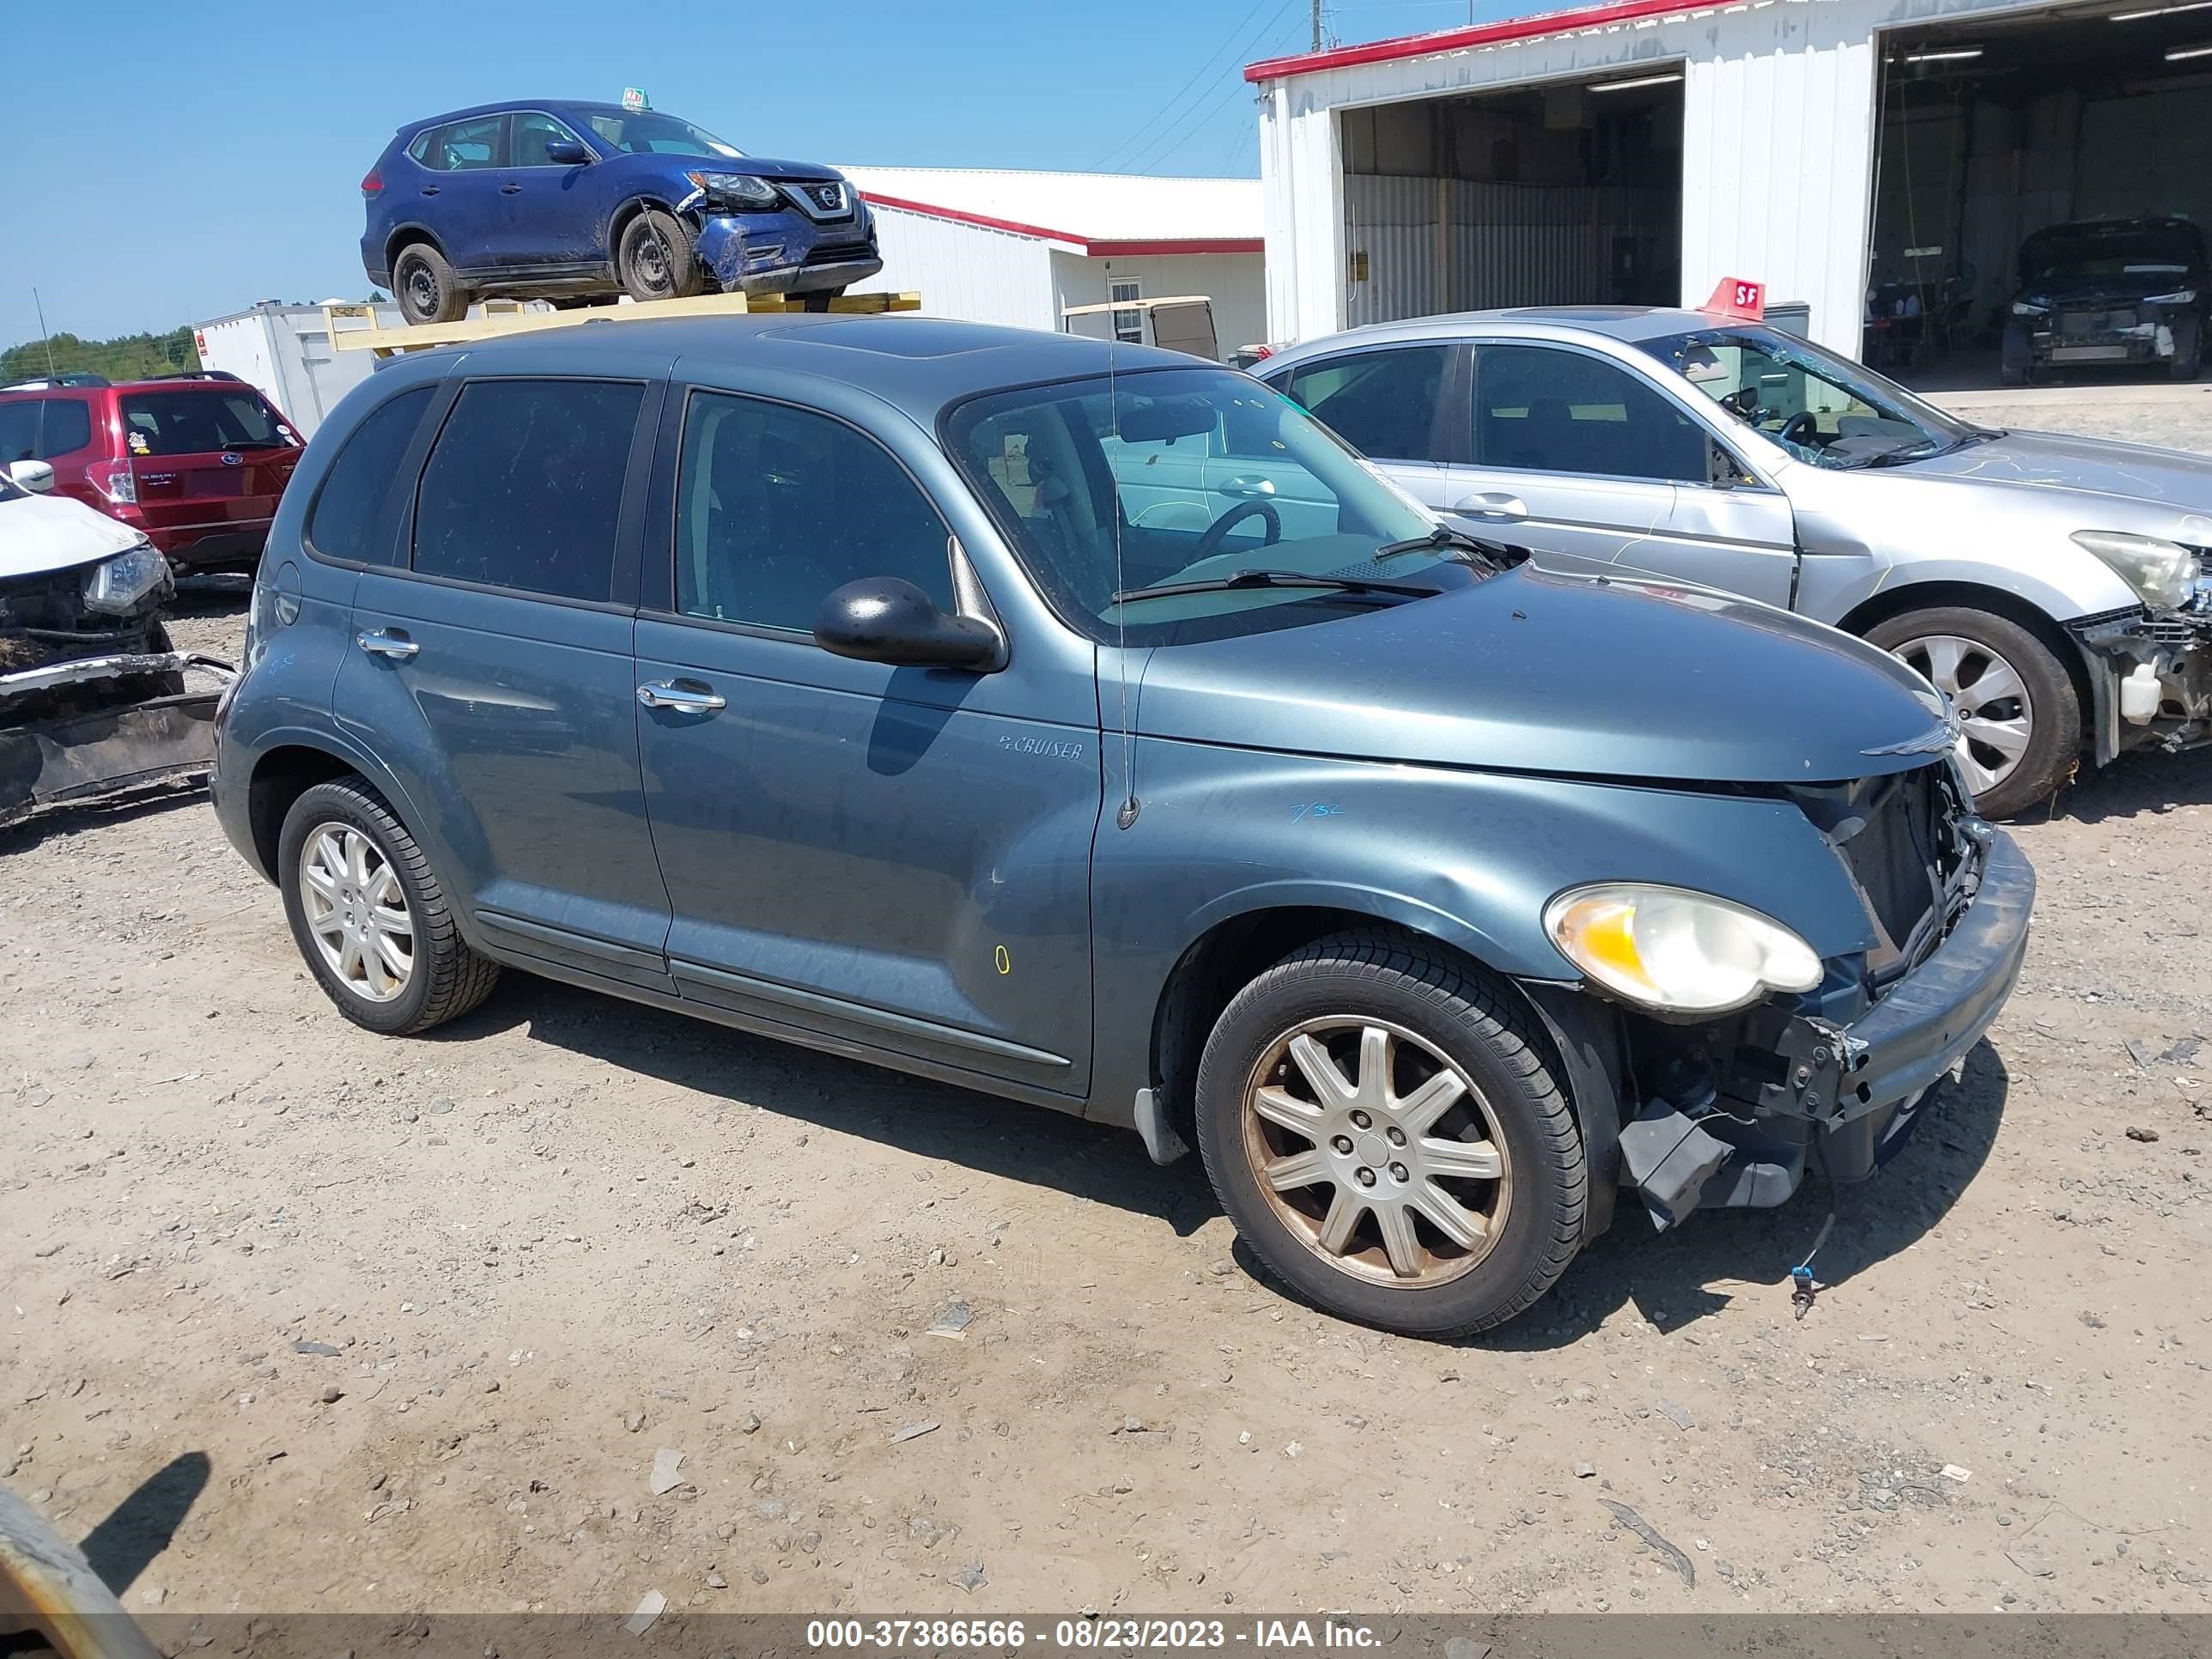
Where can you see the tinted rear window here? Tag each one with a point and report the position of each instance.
(343, 525)
(197, 421)
(525, 483)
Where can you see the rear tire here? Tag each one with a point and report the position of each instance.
(1998, 674)
(422, 285)
(443, 978)
(1503, 1150)
(656, 260)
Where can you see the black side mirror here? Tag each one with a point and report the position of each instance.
(884, 619)
(566, 153)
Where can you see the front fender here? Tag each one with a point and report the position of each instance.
(1467, 858)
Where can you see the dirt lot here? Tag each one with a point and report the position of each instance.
(403, 1325)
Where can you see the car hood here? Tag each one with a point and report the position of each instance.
(2051, 460)
(1543, 671)
(2133, 285)
(43, 533)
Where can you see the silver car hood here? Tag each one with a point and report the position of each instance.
(2085, 466)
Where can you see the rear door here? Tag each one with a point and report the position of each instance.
(208, 458)
(1402, 406)
(1593, 468)
(492, 668)
(464, 195)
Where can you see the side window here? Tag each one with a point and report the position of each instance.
(68, 427)
(342, 524)
(19, 432)
(525, 485)
(1546, 411)
(465, 145)
(533, 130)
(1384, 404)
(777, 506)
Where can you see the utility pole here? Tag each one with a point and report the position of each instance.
(1316, 25)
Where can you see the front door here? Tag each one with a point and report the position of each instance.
(897, 859)
(493, 673)
(1593, 468)
(551, 209)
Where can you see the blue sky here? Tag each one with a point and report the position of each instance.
(168, 163)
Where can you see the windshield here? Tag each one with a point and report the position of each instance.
(2105, 254)
(648, 132)
(1182, 476)
(1821, 408)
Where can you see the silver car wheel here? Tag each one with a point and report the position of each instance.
(356, 912)
(1996, 720)
(1377, 1151)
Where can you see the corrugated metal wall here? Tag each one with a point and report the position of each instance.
(1417, 247)
(964, 271)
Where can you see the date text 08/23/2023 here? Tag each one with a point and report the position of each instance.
(1010, 1636)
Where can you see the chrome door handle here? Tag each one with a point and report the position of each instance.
(1494, 504)
(688, 696)
(384, 643)
(1248, 487)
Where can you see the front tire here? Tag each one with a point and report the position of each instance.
(1385, 1129)
(369, 916)
(2020, 715)
(2188, 359)
(656, 260)
(422, 283)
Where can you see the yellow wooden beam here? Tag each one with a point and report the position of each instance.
(355, 327)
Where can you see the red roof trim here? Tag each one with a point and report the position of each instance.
(1482, 35)
(1087, 245)
(1193, 244)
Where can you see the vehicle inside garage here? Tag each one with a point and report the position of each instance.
(1554, 194)
(1991, 131)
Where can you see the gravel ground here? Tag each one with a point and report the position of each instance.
(358, 1325)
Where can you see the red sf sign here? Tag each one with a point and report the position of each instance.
(1736, 298)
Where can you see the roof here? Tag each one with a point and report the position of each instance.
(1626, 324)
(1097, 214)
(507, 104)
(915, 364)
(1504, 31)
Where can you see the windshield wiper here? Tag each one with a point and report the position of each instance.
(1244, 579)
(1443, 536)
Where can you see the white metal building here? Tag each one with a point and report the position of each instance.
(1011, 247)
(1844, 152)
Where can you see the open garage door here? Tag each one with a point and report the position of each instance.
(1558, 194)
(1995, 130)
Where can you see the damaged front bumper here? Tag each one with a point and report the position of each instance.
(78, 729)
(772, 253)
(1840, 1094)
(2151, 678)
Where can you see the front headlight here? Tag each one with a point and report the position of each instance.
(2029, 308)
(1676, 950)
(737, 190)
(2163, 573)
(2183, 297)
(116, 586)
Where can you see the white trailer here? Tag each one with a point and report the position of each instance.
(285, 353)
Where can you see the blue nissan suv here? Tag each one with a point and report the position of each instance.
(573, 203)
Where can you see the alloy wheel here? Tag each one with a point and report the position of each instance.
(1377, 1151)
(356, 912)
(1996, 720)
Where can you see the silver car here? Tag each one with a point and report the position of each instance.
(2058, 590)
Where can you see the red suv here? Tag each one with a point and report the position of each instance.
(196, 461)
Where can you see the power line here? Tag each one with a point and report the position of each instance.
(1199, 74)
(1153, 152)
